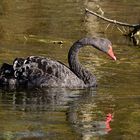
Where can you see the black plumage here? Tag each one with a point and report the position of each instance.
(35, 71)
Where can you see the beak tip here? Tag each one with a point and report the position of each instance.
(111, 54)
(114, 58)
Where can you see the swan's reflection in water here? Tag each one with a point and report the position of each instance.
(51, 99)
(36, 114)
(82, 110)
(89, 118)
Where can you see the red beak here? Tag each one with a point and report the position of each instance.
(111, 53)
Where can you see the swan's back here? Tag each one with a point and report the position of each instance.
(44, 72)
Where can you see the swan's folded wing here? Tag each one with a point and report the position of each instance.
(41, 71)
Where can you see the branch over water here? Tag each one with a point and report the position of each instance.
(112, 21)
(135, 28)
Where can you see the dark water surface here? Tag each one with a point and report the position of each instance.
(34, 28)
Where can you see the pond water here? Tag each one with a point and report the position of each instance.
(35, 28)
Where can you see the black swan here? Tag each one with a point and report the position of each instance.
(37, 71)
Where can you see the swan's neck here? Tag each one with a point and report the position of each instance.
(77, 68)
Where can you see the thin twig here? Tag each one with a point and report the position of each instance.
(120, 30)
(124, 29)
(107, 26)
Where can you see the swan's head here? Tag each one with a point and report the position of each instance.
(104, 45)
(101, 44)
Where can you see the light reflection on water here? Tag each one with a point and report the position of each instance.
(29, 28)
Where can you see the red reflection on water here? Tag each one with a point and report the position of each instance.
(109, 117)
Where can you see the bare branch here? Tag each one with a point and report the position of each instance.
(112, 21)
(134, 29)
